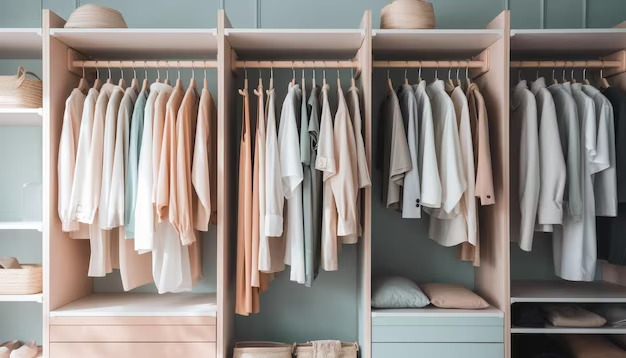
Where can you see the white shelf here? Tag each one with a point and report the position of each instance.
(22, 298)
(141, 43)
(431, 311)
(22, 43)
(552, 42)
(21, 225)
(301, 43)
(567, 330)
(21, 117)
(141, 304)
(567, 292)
(424, 44)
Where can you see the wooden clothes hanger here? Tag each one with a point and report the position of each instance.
(83, 86)
(585, 80)
(145, 83)
(97, 83)
(389, 83)
(121, 82)
(450, 82)
(602, 82)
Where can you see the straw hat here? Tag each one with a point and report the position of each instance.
(408, 14)
(95, 16)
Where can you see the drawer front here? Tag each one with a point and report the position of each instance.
(132, 333)
(132, 350)
(440, 320)
(439, 350)
(461, 334)
(133, 321)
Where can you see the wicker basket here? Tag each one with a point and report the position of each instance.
(27, 280)
(408, 14)
(263, 350)
(348, 350)
(20, 91)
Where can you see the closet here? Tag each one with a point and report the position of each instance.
(576, 53)
(94, 317)
(21, 139)
(402, 246)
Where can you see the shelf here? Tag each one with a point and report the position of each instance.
(141, 43)
(21, 225)
(431, 311)
(22, 298)
(284, 44)
(592, 43)
(21, 117)
(426, 44)
(20, 43)
(566, 330)
(141, 304)
(567, 292)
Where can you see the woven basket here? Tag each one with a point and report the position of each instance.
(20, 91)
(27, 280)
(95, 16)
(263, 350)
(408, 14)
(348, 350)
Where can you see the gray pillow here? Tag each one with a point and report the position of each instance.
(397, 292)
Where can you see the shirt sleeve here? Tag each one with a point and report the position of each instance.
(484, 172)
(200, 169)
(451, 164)
(605, 184)
(144, 212)
(66, 164)
(427, 156)
(529, 173)
(274, 198)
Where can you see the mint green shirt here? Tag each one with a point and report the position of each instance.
(136, 131)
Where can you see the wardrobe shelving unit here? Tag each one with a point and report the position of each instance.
(405, 332)
(529, 285)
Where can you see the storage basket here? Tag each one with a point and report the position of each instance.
(408, 14)
(20, 91)
(348, 350)
(27, 280)
(263, 350)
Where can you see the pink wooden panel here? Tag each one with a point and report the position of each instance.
(132, 350)
(132, 321)
(132, 333)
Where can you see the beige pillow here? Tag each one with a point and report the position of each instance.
(445, 295)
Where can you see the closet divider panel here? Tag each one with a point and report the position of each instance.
(364, 255)
(226, 186)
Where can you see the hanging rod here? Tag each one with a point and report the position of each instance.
(145, 64)
(566, 64)
(298, 64)
(429, 64)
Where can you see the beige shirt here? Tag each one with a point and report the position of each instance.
(204, 168)
(68, 147)
(182, 196)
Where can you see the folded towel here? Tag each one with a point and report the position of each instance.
(572, 316)
(326, 349)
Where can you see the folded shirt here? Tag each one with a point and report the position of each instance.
(592, 346)
(615, 315)
(572, 316)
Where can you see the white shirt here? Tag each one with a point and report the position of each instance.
(411, 207)
(605, 183)
(292, 176)
(449, 160)
(526, 165)
(144, 210)
(68, 146)
(272, 246)
(426, 153)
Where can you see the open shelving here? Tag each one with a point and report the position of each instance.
(21, 225)
(20, 43)
(584, 42)
(38, 297)
(567, 292)
(21, 117)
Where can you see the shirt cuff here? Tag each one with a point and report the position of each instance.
(273, 225)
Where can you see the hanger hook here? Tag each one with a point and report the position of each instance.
(121, 71)
(83, 69)
(167, 72)
(419, 71)
(352, 72)
(272, 72)
(97, 71)
(145, 68)
(109, 69)
(178, 68)
(158, 70)
(449, 71)
(245, 71)
(436, 69)
(204, 63)
(134, 70)
(458, 69)
(338, 69)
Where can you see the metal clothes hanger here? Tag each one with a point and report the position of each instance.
(145, 84)
(458, 80)
(83, 86)
(602, 82)
(158, 72)
(554, 80)
(293, 74)
(179, 82)
(121, 82)
(468, 81)
(97, 83)
(109, 80)
(271, 78)
(134, 83)
(167, 75)
(352, 80)
(450, 83)
(419, 74)
(205, 83)
(313, 80)
(585, 80)
(324, 77)
(406, 80)
(338, 78)
(437, 71)
(572, 75)
(389, 83)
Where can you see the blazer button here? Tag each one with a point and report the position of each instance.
(488, 196)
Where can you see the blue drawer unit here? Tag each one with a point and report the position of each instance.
(440, 333)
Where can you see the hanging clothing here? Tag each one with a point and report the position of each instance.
(574, 244)
(605, 183)
(610, 231)
(247, 299)
(411, 187)
(525, 173)
(426, 154)
(204, 167)
(292, 176)
(145, 224)
(325, 163)
(272, 246)
(569, 130)
(313, 241)
(132, 167)
(463, 227)
(396, 154)
(307, 192)
(68, 147)
(448, 148)
(551, 160)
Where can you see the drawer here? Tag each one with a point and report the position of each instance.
(132, 320)
(132, 350)
(468, 334)
(439, 350)
(132, 333)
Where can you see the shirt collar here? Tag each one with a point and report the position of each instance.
(537, 85)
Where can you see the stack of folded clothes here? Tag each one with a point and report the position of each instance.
(564, 315)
